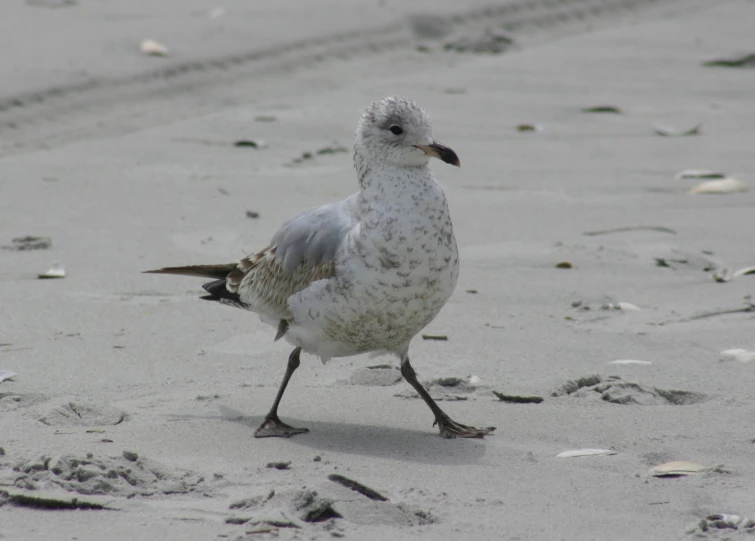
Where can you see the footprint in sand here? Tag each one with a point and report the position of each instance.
(613, 389)
(127, 475)
(327, 506)
(75, 414)
(381, 375)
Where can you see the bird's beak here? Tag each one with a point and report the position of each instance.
(442, 152)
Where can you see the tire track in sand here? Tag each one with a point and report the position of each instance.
(61, 114)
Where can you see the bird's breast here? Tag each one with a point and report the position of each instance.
(412, 261)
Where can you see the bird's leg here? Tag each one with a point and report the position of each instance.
(448, 427)
(273, 427)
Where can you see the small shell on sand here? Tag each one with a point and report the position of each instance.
(629, 361)
(698, 174)
(491, 41)
(6, 375)
(253, 143)
(741, 272)
(29, 242)
(741, 60)
(585, 452)
(623, 306)
(604, 109)
(153, 48)
(516, 399)
(725, 275)
(729, 521)
(667, 131)
(719, 186)
(722, 522)
(741, 355)
(56, 271)
(429, 26)
(677, 468)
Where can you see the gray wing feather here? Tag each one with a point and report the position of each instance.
(315, 235)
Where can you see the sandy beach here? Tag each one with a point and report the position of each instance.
(588, 272)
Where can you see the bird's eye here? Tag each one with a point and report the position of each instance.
(396, 130)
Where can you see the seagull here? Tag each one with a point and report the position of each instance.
(363, 275)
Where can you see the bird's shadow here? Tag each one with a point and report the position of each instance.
(377, 441)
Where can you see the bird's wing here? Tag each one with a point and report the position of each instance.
(302, 251)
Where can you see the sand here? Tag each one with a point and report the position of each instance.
(135, 403)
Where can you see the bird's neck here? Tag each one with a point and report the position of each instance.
(388, 182)
(398, 187)
(399, 199)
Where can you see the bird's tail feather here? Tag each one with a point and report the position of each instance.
(218, 272)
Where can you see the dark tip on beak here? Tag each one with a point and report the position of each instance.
(441, 152)
(445, 154)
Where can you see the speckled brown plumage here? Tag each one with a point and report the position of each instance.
(262, 283)
(364, 274)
